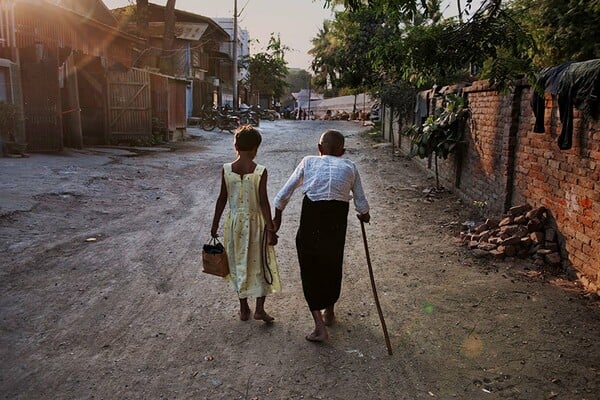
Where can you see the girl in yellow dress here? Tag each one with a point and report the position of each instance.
(249, 234)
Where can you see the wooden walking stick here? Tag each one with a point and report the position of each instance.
(385, 332)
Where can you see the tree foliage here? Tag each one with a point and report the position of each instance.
(563, 30)
(341, 52)
(267, 70)
(442, 131)
(324, 62)
(298, 80)
(412, 41)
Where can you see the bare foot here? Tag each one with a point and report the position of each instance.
(328, 317)
(244, 314)
(317, 336)
(258, 315)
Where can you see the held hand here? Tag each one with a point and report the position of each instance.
(272, 238)
(366, 217)
(278, 218)
(277, 223)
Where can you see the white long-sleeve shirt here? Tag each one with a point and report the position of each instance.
(325, 178)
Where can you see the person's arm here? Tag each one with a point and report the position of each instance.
(360, 200)
(265, 208)
(278, 219)
(283, 197)
(219, 207)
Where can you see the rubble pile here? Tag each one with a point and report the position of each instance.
(522, 232)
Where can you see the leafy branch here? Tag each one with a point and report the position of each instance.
(441, 132)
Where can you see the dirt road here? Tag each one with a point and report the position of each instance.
(102, 295)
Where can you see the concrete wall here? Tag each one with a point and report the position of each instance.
(505, 163)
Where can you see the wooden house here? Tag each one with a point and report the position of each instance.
(198, 55)
(77, 83)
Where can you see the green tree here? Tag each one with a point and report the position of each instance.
(298, 79)
(412, 41)
(267, 70)
(341, 52)
(355, 33)
(506, 38)
(563, 30)
(324, 60)
(442, 132)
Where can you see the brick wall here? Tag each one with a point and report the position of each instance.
(505, 164)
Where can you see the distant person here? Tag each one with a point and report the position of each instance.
(328, 183)
(248, 220)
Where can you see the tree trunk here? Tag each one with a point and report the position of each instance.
(166, 58)
(141, 13)
(437, 175)
(141, 19)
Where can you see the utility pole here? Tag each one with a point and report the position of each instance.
(309, 89)
(235, 56)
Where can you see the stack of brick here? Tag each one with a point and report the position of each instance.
(522, 232)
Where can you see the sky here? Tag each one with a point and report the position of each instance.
(296, 21)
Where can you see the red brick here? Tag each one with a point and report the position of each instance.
(585, 221)
(583, 238)
(585, 202)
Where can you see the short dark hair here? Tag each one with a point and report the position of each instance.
(247, 138)
(332, 138)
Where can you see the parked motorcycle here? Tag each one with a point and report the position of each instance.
(270, 115)
(248, 116)
(223, 121)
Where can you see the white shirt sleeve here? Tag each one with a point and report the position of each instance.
(360, 200)
(293, 182)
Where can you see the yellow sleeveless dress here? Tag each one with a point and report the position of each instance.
(243, 236)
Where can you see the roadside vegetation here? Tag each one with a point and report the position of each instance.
(379, 44)
(392, 49)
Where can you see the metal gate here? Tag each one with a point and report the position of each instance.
(129, 106)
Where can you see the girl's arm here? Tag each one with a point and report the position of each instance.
(219, 207)
(265, 208)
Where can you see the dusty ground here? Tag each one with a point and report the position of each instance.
(102, 295)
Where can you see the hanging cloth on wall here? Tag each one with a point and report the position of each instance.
(421, 107)
(576, 84)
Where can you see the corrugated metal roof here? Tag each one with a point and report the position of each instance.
(190, 31)
(183, 30)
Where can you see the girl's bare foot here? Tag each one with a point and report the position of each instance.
(262, 315)
(244, 310)
(245, 315)
(317, 336)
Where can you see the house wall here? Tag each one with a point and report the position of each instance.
(169, 105)
(41, 36)
(56, 28)
(505, 164)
